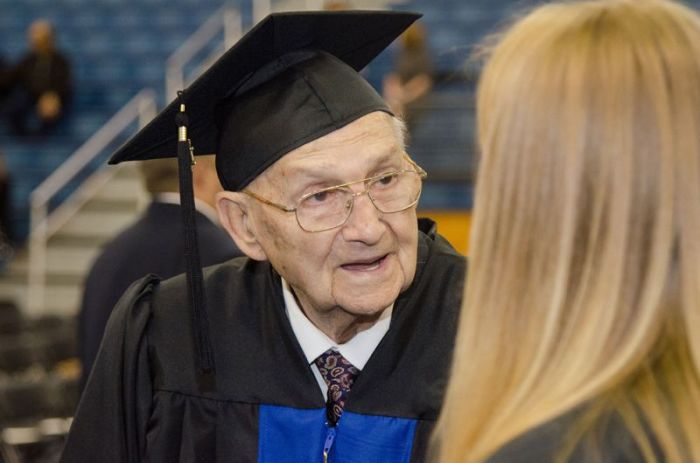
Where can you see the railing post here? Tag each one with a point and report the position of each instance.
(233, 27)
(314, 4)
(37, 258)
(174, 80)
(226, 19)
(147, 109)
(261, 8)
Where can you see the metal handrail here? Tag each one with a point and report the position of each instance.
(261, 8)
(225, 19)
(44, 224)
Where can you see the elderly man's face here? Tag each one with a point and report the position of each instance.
(362, 266)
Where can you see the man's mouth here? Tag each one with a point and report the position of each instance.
(365, 265)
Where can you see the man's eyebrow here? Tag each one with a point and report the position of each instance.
(388, 161)
(310, 171)
(303, 177)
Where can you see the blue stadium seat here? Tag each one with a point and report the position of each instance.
(117, 47)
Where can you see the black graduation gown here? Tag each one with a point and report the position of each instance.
(145, 402)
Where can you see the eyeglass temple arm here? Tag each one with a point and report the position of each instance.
(268, 202)
(419, 170)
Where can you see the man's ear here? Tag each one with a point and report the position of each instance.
(234, 215)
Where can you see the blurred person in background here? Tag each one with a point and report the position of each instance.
(7, 250)
(40, 84)
(4, 79)
(5, 207)
(578, 338)
(406, 89)
(153, 244)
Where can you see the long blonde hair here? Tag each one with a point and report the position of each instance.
(583, 288)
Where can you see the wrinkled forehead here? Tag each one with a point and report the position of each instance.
(370, 142)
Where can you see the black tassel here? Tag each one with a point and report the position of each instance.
(195, 286)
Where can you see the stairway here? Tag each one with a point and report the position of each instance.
(74, 247)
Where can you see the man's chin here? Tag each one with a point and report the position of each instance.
(368, 304)
(361, 295)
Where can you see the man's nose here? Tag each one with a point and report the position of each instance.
(364, 222)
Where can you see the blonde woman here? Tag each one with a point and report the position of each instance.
(580, 336)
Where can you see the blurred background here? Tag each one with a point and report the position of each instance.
(119, 62)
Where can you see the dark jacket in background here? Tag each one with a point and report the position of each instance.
(34, 75)
(154, 244)
(5, 79)
(40, 73)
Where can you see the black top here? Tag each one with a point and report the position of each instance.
(610, 442)
(38, 73)
(146, 402)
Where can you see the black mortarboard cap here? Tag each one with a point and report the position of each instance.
(291, 79)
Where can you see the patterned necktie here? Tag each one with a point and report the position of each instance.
(339, 374)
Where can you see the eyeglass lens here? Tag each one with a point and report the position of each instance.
(330, 208)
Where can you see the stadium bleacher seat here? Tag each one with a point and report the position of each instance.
(116, 47)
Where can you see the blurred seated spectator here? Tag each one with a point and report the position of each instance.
(40, 84)
(7, 251)
(406, 89)
(578, 339)
(154, 244)
(4, 79)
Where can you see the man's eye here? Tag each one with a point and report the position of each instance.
(320, 196)
(387, 179)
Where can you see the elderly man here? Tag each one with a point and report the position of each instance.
(331, 340)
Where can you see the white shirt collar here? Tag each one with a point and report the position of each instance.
(205, 209)
(314, 342)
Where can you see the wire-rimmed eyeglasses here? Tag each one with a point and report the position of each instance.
(330, 207)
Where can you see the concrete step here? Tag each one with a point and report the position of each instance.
(112, 204)
(16, 270)
(72, 240)
(72, 250)
(63, 300)
(59, 279)
(98, 223)
(74, 261)
(123, 186)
